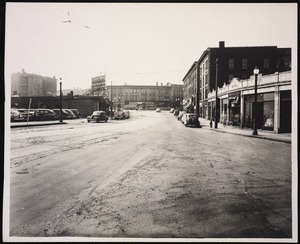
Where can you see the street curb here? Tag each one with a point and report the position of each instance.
(30, 125)
(252, 136)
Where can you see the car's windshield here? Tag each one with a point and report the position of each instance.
(193, 116)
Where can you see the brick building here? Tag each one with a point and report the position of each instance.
(24, 85)
(146, 97)
(232, 62)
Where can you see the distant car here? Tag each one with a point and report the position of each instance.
(97, 116)
(65, 114)
(15, 116)
(172, 110)
(181, 113)
(157, 110)
(26, 113)
(76, 112)
(190, 119)
(44, 114)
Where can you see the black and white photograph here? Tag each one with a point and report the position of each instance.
(150, 122)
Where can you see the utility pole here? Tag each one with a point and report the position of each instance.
(216, 88)
(111, 103)
(60, 93)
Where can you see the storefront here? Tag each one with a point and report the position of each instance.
(265, 111)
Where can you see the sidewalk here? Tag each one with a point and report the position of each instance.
(35, 123)
(262, 134)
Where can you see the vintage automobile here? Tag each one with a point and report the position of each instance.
(157, 110)
(97, 116)
(76, 112)
(191, 119)
(44, 114)
(181, 113)
(64, 114)
(119, 115)
(71, 113)
(26, 113)
(15, 116)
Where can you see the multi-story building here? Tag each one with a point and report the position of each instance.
(273, 106)
(146, 97)
(25, 85)
(218, 66)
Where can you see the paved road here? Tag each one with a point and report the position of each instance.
(148, 176)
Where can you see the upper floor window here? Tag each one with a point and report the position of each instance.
(230, 77)
(287, 62)
(231, 63)
(266, 63)
(244, 63)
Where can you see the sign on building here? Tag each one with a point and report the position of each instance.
(98, 83)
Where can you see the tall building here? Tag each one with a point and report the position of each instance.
(25, 85)
(232, 62)
(146, 97)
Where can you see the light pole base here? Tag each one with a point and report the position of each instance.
(254, 133)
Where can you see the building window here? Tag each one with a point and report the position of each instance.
(231, 63)
(287, 62)
(244, 76)
(266, 63)
(230, 77)
(244, 63)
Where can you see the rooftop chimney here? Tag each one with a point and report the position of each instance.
(221, 44)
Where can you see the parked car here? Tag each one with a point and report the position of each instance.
(181, 113)
(176, 112)
(119, 115)
(26, 113)
(97, 116)
(157, 110)
(15, 116)
(44, 114)
(190, 119)
(76, 112)
(65, 114)
(70, 112)
(172, 110)
(127, 114)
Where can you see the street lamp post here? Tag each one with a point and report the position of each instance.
(255, 71)
(216, 88)
(60, 96)
(111, 102)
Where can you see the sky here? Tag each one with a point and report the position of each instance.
(135, 43)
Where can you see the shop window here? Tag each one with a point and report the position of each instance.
(268, 115)
(268, 96)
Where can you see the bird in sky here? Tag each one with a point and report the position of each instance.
(67, 21)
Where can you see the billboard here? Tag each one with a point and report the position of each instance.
(98, 83)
